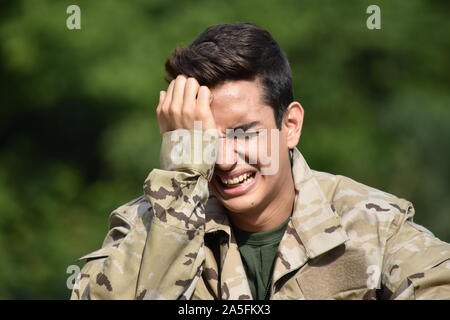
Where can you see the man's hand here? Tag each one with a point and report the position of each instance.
(184, 102)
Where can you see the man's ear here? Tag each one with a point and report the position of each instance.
(292, 124)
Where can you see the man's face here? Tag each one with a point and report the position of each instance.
(250, 171)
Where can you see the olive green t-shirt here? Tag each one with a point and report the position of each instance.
(258, 251)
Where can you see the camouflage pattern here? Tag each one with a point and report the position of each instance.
(345, 241)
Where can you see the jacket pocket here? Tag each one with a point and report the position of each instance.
(332, 274)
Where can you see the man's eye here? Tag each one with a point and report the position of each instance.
(251, 134)
(245, 135)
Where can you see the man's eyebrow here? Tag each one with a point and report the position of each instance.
(247, 126)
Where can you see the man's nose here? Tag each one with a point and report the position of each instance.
(227, 155)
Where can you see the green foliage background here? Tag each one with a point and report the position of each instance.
(78, 133)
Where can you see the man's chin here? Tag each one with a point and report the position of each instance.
(238, 205)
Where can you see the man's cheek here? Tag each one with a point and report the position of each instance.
(262, 150)
(248, 148)
(268, 151)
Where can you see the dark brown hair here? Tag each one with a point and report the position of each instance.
(237, 51)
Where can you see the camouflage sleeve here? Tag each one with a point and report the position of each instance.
(111, 272)
(416, 263)
(159, 253)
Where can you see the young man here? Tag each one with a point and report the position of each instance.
(247, 218)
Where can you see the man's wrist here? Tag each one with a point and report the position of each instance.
(189, 150)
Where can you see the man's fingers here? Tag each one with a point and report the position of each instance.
(159, 115)
(168, 98)
(190, 92)
(203, 99)
(203, 109)
(162, 97)
(184, 102)
(177, 96)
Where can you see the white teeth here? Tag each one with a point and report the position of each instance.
(237, 179)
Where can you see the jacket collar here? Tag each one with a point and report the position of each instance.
(317, 227)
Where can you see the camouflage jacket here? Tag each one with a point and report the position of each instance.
(345, 240)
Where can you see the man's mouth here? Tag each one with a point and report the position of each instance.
(237, 185)
(243, 178)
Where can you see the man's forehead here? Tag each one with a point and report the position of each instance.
(239, 103)
(238, 93)
(244, 117)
